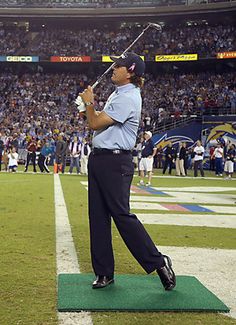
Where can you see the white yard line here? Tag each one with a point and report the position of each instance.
(66, 256)
(199, 177)
(215, 268)
(196, 220)
(200, 189)
(221, 209)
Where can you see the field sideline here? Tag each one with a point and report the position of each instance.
(28, 250)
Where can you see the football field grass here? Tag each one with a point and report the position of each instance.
(28, 259)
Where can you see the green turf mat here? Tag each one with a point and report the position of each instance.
(135, 293)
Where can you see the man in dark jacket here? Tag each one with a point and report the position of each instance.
(169, 158)
(31, 154)
(146, 162)
(60, 154)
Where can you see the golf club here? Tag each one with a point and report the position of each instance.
(78, 101)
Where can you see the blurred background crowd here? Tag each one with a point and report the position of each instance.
(206, 40)
(40, 103)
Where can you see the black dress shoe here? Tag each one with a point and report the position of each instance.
(102, 281)
(167, 274)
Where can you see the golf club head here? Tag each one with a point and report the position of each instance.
(156, 26)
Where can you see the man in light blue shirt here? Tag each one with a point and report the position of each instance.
(123, 106)
(110, 173)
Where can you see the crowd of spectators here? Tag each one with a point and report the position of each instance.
(204, 40)
(99, 3)
(11, 41)
(89, 3)
(42, 105)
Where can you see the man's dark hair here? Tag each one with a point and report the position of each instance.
(137, 81)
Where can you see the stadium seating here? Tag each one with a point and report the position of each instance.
(203, 39)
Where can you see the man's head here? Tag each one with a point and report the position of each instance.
(199, 143)
(148, 135)
(127, 68)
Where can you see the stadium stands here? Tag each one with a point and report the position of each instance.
(89, 3)
(204, 40)
(39, 104)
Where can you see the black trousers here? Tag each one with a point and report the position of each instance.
(110, 177)
(42, 162)
(31, 156)
(0, 160)
(168, 162)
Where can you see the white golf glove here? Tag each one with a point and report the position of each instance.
(80, 104)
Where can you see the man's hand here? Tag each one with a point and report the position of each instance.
(87, 95)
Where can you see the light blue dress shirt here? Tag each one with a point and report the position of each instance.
(124, 107)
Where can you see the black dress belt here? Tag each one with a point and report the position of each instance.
(103, 151)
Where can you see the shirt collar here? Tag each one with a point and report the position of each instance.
(124, 88)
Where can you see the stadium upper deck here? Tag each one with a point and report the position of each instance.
(44, 41)
(100, 3)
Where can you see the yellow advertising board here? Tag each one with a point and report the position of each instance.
(176, 57)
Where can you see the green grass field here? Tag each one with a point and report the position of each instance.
(28, 258)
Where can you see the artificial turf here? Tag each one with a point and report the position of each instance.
(28, 270)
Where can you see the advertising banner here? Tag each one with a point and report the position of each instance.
(21, 58)
(176, 57)
(189, 134)
(70, 59)
(226, 55)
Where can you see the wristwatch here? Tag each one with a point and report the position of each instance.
(88, 103)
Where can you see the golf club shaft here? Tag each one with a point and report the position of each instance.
(126, 50)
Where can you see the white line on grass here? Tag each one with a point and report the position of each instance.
(194, 220)
(67, 261)
(200, 189)
(191, 177)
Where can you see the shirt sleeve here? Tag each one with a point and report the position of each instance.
(120, 108)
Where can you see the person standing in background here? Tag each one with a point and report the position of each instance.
(218, 154)
(198, 158)
(159, 157)
(5, 159)
(44, 156)
(85, 152)
(180, 158)
(60, 154)
(146, 162)
(75, 151)
(31, 154)
(212, 158)
(169, 158)
(229, 163)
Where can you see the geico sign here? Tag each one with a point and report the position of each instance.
(19, 58)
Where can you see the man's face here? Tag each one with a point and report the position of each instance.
(120, 75)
